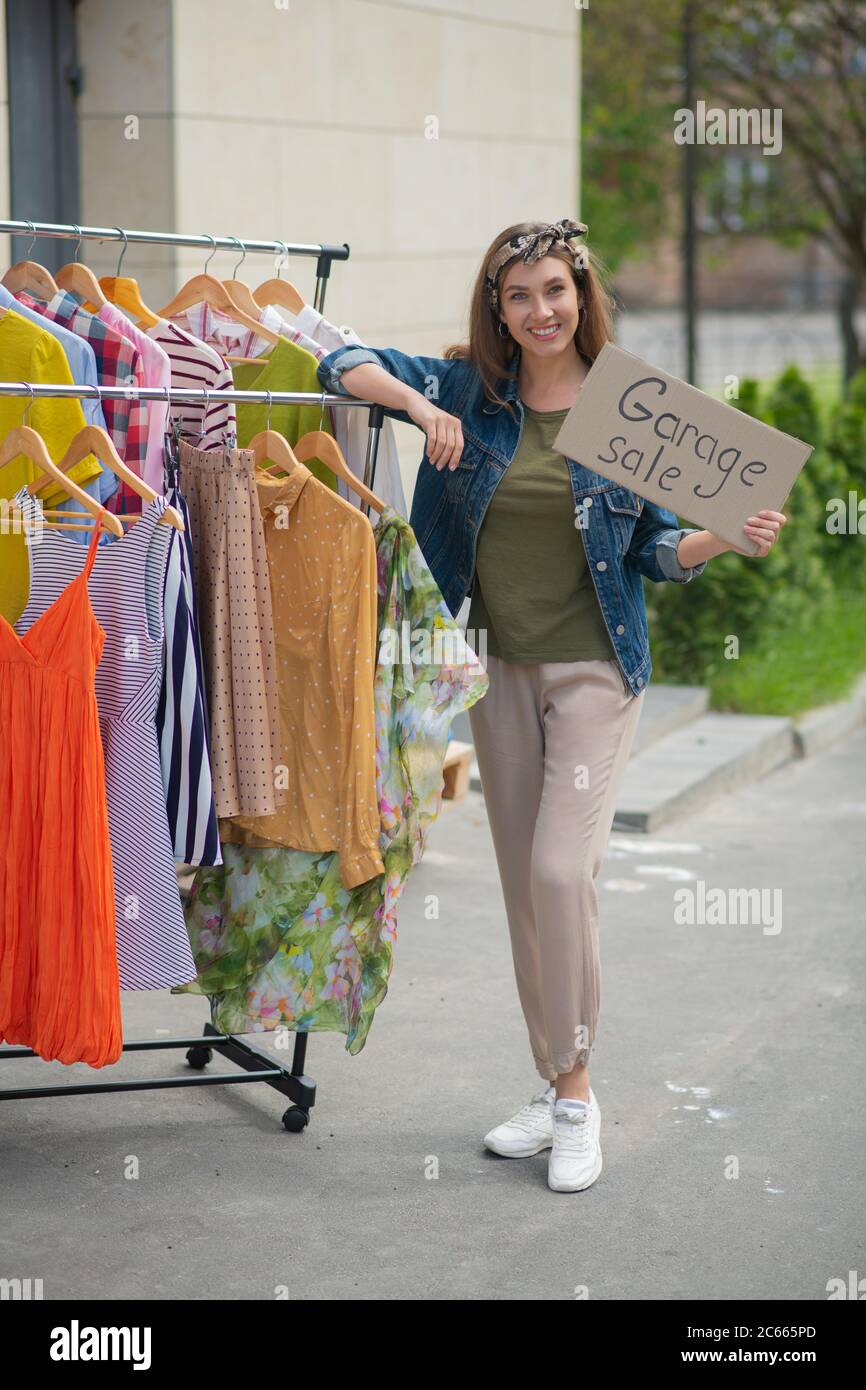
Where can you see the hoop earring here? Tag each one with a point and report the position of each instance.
(502, 324)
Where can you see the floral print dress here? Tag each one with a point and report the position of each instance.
(277, 940)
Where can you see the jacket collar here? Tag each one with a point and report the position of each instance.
(510, 383)
(507, 385)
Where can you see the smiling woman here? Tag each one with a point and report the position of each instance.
(554, 556)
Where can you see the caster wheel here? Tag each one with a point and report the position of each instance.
(199, 1057)
(296, 1118)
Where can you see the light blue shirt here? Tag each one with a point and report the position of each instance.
(82, 365)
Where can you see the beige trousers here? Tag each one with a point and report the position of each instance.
(552, 740)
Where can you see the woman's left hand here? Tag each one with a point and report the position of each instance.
(764, 530)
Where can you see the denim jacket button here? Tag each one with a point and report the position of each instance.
(640, 680)
(620, 629)
(602, 565)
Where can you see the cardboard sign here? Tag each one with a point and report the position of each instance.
(676, 446)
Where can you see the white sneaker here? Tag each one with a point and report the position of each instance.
(527, 1132)
(575, 1159)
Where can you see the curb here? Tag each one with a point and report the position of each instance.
(811, 732)
(819, 728)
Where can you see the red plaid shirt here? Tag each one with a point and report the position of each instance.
(118, 363)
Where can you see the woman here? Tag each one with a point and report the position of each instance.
(553, 555)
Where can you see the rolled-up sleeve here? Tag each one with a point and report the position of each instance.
(653, 547)
(432, 377)
(343, 359)
(666, 553)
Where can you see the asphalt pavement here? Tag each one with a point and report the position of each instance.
(729, 1068)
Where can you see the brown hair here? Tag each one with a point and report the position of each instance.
(491, 353)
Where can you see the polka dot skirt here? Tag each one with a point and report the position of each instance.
(237, 627)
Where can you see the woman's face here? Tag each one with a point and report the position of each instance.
(540, 304)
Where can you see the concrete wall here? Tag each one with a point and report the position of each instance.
(127, 133)
(415, 130)
(320, 117)
(311, 121)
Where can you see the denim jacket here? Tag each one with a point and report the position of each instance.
(624, 536)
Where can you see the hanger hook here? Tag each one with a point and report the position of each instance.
(78, 242)
(282, 260)
(28, 406)
(269, 395)
(243, 257)
(33, 239)
(322, 416)
(212, 241)
(123, 252)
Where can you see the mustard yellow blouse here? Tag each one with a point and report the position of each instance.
(28, 353)
(322, 562)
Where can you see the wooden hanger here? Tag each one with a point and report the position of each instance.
(26, 441)
(123, 291)
(205, 289)
(242, 295)
(95, 440)
(80, 280)
(270, 447)
(32, 279)
(318, 445)
(280, 292)
(238, 291)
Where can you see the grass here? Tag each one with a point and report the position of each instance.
(798, 668)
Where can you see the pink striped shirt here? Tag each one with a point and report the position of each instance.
(196, 364)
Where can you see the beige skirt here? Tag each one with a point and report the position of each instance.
(233, 592)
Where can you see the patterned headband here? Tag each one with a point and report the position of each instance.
(533, 245)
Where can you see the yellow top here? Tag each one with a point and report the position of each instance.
(29, 353)
(322, 562)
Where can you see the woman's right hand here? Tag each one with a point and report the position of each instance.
(444, 432)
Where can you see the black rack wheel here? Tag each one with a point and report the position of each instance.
(296, 1118)
(199, 1057)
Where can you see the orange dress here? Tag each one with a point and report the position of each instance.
(59, 982)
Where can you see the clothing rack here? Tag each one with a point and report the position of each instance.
(325, 252)
(255, 1065)
(199, 396)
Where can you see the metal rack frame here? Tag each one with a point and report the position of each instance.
(255, 1064)
(325, 252)
(192, 395)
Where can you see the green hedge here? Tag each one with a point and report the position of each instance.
(754, 598)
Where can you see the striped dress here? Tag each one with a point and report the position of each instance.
(181, 715)
(126, 588)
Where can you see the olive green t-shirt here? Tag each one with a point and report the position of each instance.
(533, 592)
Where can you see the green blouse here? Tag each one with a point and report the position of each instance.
(532, 590)
(286, 367)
